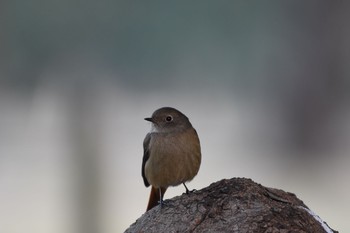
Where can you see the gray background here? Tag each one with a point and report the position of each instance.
(266, 85)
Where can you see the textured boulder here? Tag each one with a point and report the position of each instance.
(234, 205)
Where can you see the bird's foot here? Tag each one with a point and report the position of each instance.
(190, 191)
(165, 203)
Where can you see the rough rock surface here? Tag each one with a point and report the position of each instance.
(234, 205)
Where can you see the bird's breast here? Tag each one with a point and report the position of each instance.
(174, 158)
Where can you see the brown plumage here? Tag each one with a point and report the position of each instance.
(172, 154)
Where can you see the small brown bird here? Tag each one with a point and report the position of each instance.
(172, 153)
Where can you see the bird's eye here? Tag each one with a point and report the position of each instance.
(169, 118)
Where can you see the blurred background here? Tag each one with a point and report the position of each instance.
(266, 85)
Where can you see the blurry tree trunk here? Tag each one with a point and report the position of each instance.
(235, 205)
(85, 183)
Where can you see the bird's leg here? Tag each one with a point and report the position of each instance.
(188, 191)
(161, 202)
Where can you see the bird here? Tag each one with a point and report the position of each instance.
(171, 153)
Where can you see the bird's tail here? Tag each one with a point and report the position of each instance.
(154, 197)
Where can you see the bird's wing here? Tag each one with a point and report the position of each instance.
(146, 142)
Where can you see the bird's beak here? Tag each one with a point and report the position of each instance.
(149, 119)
